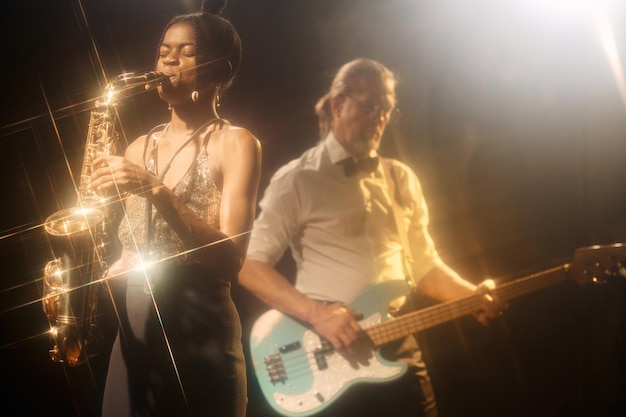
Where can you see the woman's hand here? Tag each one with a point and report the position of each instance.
(122, 266)
(113, 175)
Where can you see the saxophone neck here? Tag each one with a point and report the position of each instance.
(127, 81)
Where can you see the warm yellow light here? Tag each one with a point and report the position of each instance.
(607, 38)
(144, 266)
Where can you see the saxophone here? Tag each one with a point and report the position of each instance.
(81, 239)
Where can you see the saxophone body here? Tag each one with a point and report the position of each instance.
(82, 239)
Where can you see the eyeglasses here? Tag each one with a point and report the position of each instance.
(375, 110)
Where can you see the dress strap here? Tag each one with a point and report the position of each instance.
(147, 142)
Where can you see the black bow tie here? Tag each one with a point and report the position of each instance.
(351, 166)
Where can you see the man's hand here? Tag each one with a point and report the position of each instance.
(492, 306)
(338, 324)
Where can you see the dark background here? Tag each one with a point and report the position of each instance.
(513, 117)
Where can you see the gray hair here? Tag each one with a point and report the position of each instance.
(342, 84)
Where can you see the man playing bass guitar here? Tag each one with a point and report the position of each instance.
(352, 220)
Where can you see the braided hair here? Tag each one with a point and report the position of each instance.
(218, 45)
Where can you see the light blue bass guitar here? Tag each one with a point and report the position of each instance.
(300, 374)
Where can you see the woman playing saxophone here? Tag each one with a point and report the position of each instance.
(191, 187)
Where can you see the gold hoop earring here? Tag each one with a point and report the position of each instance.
(217, 95)
(194, 96)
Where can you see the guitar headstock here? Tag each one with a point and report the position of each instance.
(598, 263)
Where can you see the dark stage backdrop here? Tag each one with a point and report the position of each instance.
(514, 117)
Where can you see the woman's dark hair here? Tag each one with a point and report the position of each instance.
(218, 46)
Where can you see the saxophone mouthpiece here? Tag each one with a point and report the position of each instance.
(154, 79)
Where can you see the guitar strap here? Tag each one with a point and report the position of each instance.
(398, 215)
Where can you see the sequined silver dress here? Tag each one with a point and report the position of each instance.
(178, 350)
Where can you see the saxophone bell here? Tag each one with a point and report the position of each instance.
(71, 284)
(74, 220)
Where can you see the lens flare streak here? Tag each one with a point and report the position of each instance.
(607, 38)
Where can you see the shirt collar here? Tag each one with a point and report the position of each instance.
(336, 151)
